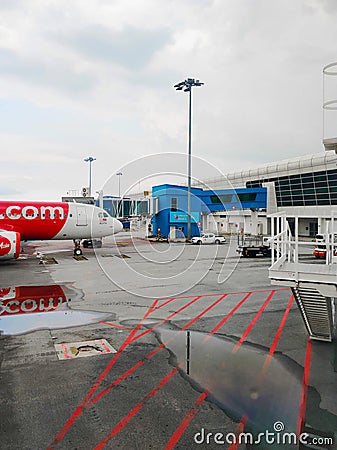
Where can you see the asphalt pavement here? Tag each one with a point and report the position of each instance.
(142, 345)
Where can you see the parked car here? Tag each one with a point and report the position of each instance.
(208, 238)
(320, 251)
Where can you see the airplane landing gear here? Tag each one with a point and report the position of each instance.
(77, 248)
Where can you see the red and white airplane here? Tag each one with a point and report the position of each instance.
(22, 221)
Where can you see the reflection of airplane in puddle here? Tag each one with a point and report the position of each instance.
(46, 220)
(28, 308)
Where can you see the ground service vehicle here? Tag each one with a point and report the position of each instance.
(251, 246)
(208, 238)
(92, 243)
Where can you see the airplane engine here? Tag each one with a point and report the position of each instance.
(9, 245)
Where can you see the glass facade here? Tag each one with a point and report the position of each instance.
(303, 189)
(229, 198)
(221, 198)
(247, 197)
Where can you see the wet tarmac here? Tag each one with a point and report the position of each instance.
(180, 343)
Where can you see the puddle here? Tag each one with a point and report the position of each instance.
(236, 381)
(28, 308)
(240, 382)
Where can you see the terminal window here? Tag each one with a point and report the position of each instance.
(312, 188)
(222, 198)
(174, 204)
(247, 197)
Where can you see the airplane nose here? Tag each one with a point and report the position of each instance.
(118, 226)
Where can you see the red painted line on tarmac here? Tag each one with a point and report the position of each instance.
(167, 302)
(277, 335)
(228, 293)
(114, 325)
(304, 393)
(116, 382)
(65, 351)
(253, 322)
(151, 354)
(239, 429)
(185, 422)
(167, 318)
(215, 329)
(272, 349)
(84, 403)
(205, 311)
(87, 399)
(191, 322)
(156, 350)
(241, 426)
(126, 419)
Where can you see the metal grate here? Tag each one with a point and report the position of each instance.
(316, 311)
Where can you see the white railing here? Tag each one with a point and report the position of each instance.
(281, 242)
(285, 246)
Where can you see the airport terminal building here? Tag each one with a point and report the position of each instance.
(305, 187)
(242, 202)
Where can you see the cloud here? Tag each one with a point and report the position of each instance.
(329, 6)
(37, 72)
(6, 5)
(81, 78)
(130, 48)
(6, 191)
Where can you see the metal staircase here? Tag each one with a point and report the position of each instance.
(316, 311)
(314, 285)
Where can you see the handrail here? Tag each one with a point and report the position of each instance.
(285, 246)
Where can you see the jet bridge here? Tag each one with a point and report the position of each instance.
(313, 283)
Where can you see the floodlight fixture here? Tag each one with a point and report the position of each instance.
(90, 160)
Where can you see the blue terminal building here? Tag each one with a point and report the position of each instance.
(170, 206)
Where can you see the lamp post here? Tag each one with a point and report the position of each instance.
(187, 85)
(119, 174)
(90, 159)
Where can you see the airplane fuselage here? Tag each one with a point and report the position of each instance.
(56, 220)
(23, 221)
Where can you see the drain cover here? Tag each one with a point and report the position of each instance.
(47, 260)
(50, 261)
(73, 350)
(80, 258)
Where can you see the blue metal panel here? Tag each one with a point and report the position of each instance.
(201, 202)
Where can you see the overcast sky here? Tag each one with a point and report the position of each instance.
(95, 78)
